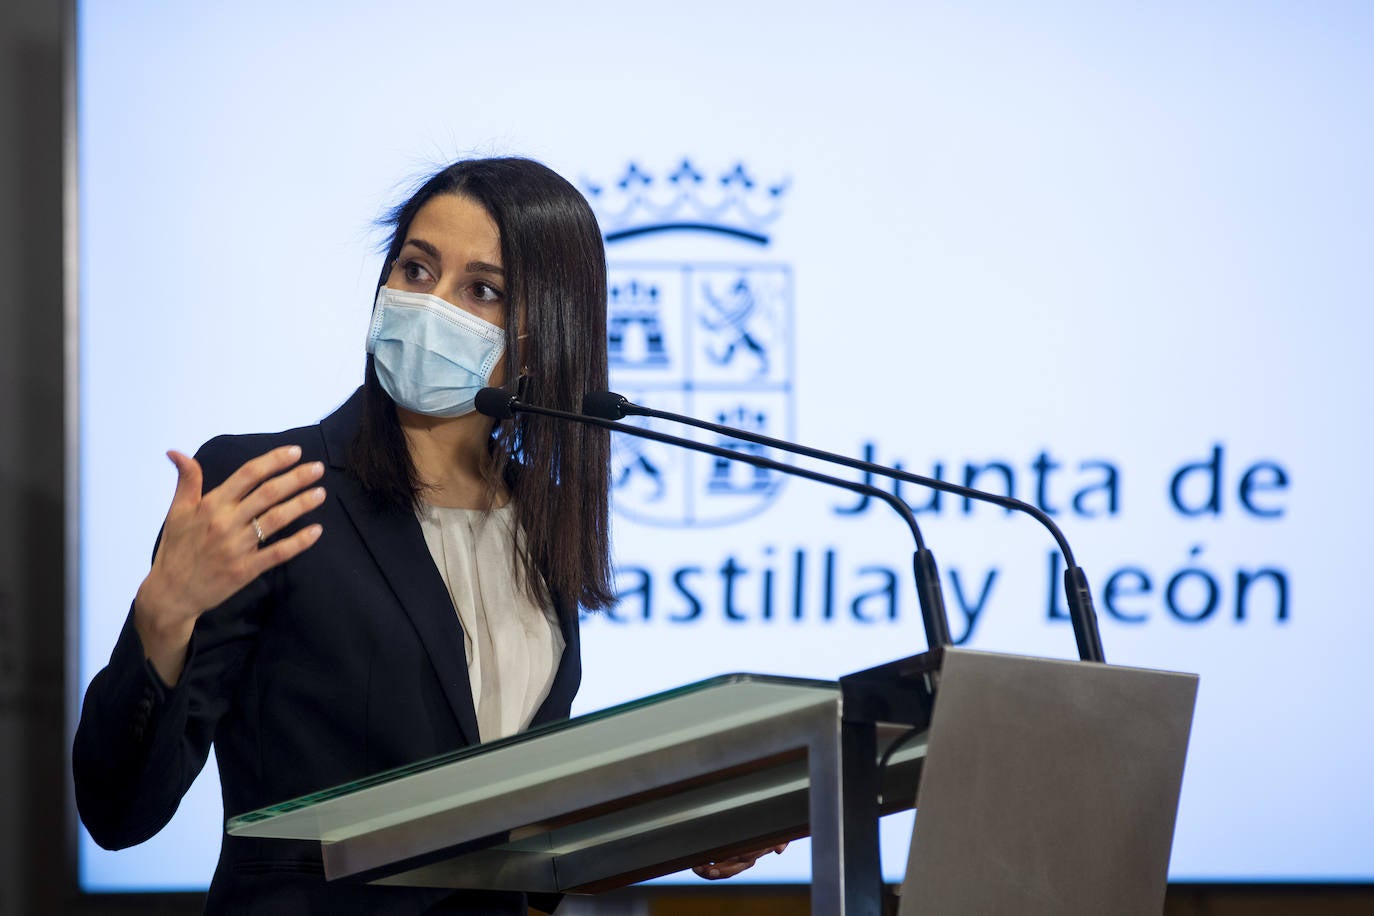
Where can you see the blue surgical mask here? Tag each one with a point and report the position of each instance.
(431, 357)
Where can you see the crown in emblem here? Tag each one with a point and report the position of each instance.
(732, 202)
(633, 296)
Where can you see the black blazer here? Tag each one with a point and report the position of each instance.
(342, 662)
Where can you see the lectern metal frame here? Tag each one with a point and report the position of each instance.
(612, 798)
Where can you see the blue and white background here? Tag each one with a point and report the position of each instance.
(1112, 257)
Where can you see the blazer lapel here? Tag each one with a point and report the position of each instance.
(558, 704)
(398, 546)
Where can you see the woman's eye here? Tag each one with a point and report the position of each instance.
(415, 272)
(485, 292)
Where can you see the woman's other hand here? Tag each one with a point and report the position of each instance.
(728, 868)
(213, 544)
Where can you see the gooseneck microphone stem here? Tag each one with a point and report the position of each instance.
(1082, 615)
(502, 405)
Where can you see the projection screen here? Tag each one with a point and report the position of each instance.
(1111, 259)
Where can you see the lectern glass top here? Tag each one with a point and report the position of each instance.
(692, 712)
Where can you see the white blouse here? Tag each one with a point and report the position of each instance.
(513, 646)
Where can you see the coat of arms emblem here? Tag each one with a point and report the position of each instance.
(710, 338)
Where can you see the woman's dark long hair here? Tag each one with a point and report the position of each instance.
(558, 473)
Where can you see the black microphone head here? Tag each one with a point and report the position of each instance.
(495, 402)
(605, 404)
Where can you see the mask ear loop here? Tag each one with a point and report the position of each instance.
(522, 384)
(522, 381)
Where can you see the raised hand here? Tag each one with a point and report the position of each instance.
(216, 543)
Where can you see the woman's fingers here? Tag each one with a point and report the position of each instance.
(728, 868)
(279, 552)
(284, 513)
(253, 472)
(276, 492)
(188, 480)
(275, 503)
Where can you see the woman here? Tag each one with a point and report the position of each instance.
(401, 579)
(300, 609)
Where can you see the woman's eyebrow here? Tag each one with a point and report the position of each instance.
(426, 247)
(473, 267)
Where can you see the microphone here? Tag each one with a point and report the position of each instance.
(608, 405)
(500, 404)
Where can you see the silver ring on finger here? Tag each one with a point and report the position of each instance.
(257, 529)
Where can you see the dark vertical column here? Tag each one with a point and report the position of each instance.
(33, 856)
